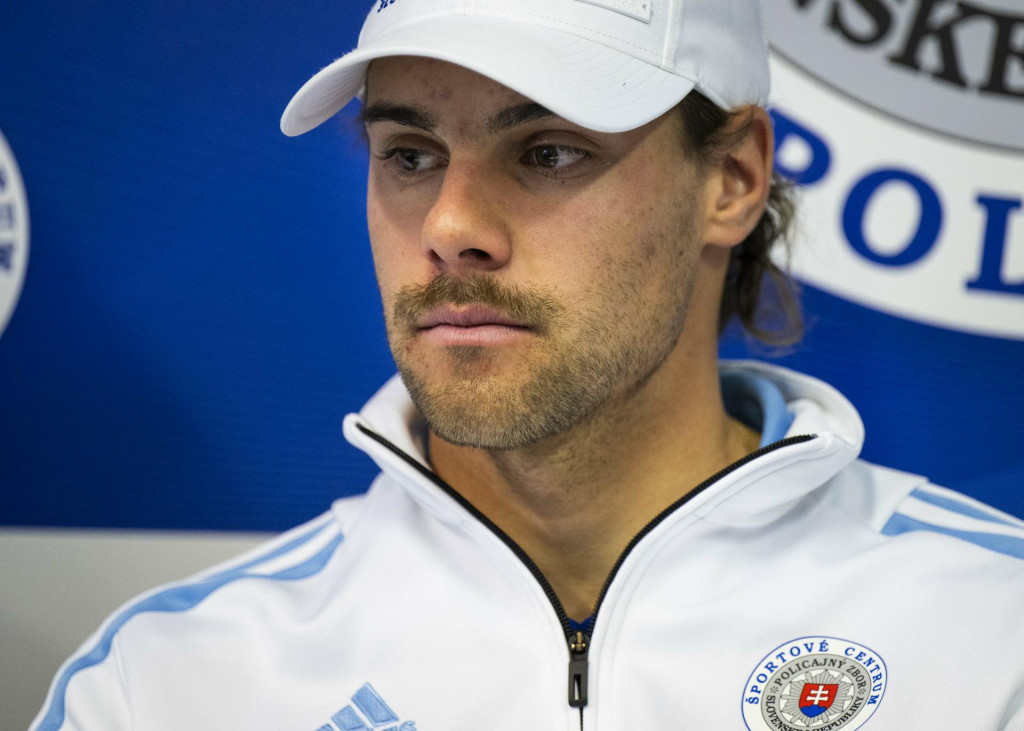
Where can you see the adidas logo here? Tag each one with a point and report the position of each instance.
(367, 712)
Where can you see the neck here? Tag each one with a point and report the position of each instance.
(575, 501)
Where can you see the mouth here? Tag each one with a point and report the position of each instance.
(473, 325)
(473, 316)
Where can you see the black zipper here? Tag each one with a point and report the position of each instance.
(578, 641)
(579, 670)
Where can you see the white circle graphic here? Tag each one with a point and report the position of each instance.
(968, 272)
(13, 233)
(946, 67)
(814, 683)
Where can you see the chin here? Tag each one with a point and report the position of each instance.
(487, 414)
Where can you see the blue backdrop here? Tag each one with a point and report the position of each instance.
(199, 310)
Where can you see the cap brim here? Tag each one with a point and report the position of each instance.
(587, 83)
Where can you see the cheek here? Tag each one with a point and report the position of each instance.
(605, 253)
(394, 240)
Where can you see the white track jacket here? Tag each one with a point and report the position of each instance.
(798, 589)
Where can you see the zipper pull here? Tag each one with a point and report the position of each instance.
(579, 647)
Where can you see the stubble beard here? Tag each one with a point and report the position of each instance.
(606, 358)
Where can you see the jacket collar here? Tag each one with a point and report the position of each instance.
(758, 492)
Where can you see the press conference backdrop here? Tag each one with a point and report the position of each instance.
(188, 309)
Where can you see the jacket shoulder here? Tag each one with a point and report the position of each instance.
(89, 690)
(895, 503)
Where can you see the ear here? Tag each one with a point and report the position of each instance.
(737, 185)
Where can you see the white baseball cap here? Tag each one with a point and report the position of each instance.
(607, 65)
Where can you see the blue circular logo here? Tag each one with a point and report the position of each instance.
(813, 683)
(13, 233)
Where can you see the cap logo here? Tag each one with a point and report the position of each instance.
(639, 9)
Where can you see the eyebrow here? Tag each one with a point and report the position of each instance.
(410, 116)
(398, 113)
(520, 114)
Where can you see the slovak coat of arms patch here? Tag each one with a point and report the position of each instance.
(815, 682)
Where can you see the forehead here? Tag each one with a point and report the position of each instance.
(431, 78)
(440, 89)
(408, 72)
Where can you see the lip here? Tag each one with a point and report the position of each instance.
(468, 317)
(474, 326)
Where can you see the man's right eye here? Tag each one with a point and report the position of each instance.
(408, 159)
(411, 160)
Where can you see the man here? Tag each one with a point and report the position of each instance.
(583, 520)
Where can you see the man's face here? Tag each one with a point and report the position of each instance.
(533, 272)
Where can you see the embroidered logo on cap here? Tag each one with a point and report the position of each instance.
(814, 683)
(639, 9)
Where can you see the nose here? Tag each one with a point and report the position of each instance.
(466, 230)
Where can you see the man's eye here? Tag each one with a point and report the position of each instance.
(410, 159)
(554, 157)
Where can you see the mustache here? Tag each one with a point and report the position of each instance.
(531, 307)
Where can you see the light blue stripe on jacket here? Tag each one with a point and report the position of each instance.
(182, 598)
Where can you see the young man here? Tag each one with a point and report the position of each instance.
(583, 519)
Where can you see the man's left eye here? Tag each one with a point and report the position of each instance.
(553, 157)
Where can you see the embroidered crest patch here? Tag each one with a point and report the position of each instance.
(814, 683)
